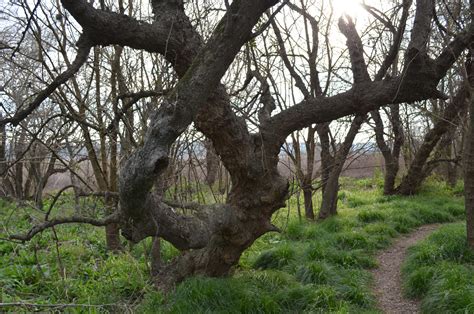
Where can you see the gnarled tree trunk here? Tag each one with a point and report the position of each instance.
(218, 238)
(212, 163)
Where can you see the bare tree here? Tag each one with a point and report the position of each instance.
(213, 240)
(419, 168)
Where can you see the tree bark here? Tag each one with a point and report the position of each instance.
(219, 238)
(361, 75)
(447, 152)
(326, 157)
(391, 155)
(305, 178)
(155, 256)
(3, 159)
(19, 167)
(469, 155)
(212, 163)
(419, 169)
(308, 177)
(331, 188)
(308, 202)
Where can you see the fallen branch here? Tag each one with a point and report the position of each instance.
(33, 305)
(114, 218)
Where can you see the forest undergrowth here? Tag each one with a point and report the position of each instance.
(308, 267)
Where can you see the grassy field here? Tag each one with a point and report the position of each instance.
(309, 267)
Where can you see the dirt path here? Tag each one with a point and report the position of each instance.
(388, 282)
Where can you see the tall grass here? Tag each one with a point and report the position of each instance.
(440, 272)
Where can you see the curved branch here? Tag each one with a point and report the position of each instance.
(416, 173)
(367, 96)
(55, 199)
(133, 99)
(397, 40)
(110, 28)
(454, 49)
(114, 218)
(84, 47)
(356, 50)
(286, 60)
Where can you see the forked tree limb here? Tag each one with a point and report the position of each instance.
(178, 112)
(173, 36)
(84, 46)
(397, 40)
(179, 109)
(356, 50)
(132, 98)
(372, 95)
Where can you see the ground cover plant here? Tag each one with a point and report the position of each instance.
(308, 267)
(440, 272)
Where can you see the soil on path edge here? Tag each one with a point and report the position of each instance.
(388, 281)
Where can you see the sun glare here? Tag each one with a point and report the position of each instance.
(351, 8)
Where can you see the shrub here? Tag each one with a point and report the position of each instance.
(403, 222)
(371, 216)
(434, 215)
(418, 282)
(380, 228)
(354, 258)
(275, 258)
(318, 272)
(352, 240)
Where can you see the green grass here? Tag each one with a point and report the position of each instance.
(440, 272)
(310, 267)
